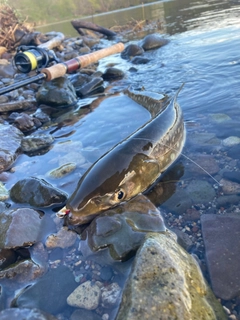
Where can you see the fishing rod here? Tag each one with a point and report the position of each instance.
(27, 60)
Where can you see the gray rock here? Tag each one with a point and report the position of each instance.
(58, 92)
(222, 242)
(9, 148)
(25, 314)
(166, 283)
(35, 142)
(153, 41)
(36, 192)
(50, 292)
(86, 296)
(19, 228)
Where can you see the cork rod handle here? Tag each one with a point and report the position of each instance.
(60, 69)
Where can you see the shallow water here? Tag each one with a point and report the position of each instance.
(203, 53)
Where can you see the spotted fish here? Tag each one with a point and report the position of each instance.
(133, 165)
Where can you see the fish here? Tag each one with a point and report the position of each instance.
(134, 164)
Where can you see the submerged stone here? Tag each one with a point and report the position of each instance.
(123, 228)
(166, 283)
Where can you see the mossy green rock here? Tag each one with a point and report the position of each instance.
(166, 283)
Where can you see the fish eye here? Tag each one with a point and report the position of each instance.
(120, 194)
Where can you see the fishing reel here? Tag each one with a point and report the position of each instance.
(30, 58)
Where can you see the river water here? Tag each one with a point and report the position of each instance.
(203, 53)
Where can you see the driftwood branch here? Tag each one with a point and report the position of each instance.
(58, 37)
(78, 24)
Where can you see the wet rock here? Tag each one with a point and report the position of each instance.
(4, 195)
(25, 314)
(7, 257)
(19, 228)
(64, 238)
(200, 191)
(58, 92)
(229, 187)
(153, 41)
(21, 272)
(178, 289)
(9, 148)
(112, 74)
(35, 142)
(110, 295)
(122, 229)
(140, 60)
(131, 50)
(86, 296)
(63, 170)
(222, 241)
(36, 192)
(24, 122)
(50, 292)
(94, 86)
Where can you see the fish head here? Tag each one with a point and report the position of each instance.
(108, 183)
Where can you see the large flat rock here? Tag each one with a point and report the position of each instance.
(221, 235)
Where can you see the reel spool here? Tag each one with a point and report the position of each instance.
(30, 58)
